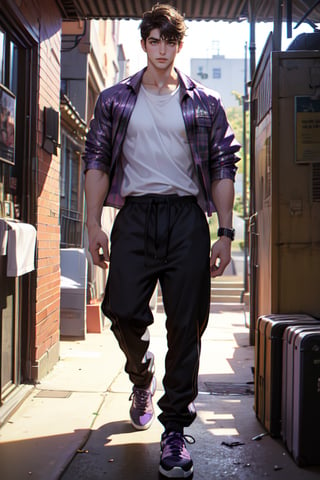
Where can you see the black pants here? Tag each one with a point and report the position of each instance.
(163, 238)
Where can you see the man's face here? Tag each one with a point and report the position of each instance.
(161, 53)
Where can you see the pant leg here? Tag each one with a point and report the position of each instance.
(185, 287)
(129, 288)
(171, 242)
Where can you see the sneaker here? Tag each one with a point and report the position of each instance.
(175, 460)
(141, 410)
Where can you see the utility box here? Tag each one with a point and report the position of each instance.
(73, 296)
(285, 181)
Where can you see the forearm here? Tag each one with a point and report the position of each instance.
(223, 198)
(96, 189)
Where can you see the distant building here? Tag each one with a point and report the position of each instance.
(91, 60)
(226, 75)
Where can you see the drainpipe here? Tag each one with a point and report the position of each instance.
(252, 51)
(244, 183)
(277, 25)
(289, 18)
(252, 46)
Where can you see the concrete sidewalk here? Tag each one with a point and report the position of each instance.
(75, 424)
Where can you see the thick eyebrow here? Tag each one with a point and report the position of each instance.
(157, 39)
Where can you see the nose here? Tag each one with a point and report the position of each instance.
(163, 47)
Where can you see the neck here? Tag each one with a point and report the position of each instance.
(160, 81)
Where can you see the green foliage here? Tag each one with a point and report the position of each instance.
(213, 227)
(238, 96)
(238, 205)
(235, 118)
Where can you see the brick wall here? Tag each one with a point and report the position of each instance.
(48, 267)
(43, 19)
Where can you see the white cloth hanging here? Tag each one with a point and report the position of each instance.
(20, 248)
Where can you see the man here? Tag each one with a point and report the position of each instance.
(161, 149)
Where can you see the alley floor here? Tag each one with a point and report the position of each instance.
(75, 423)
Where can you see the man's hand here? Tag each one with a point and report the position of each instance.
(220, 256)
(96, 188)
(98, 246)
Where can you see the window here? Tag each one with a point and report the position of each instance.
(1, 56)
(13, 77)
(201, 73)
(64, 86)
(216, 73)
(63, 166)
(10, 164)
(71, 195)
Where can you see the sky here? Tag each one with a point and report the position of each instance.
(203, 40)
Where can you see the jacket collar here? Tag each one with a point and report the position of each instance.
(135, 80)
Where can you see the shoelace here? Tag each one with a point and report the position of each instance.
(140, 398)
(175, 442)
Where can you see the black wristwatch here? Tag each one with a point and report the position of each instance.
(226, 232)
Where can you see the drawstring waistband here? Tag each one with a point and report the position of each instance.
(157, 224)
(159, 198)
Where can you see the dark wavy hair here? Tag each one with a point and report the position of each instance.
(167, 19)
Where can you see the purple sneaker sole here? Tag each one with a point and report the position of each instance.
(176, 472)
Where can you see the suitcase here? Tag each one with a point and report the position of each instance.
(306, 398)
(288, 346)
(268, 367)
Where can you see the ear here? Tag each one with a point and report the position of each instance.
(143, 44)
(180, 47)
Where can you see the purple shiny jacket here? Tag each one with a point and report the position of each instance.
(212, 142)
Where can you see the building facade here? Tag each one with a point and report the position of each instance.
(225, 75)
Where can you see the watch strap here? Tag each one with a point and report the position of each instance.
(226, 232)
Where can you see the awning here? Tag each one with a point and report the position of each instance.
(228, 10)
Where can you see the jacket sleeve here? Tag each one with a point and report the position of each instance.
(98, 147)
(223, 146)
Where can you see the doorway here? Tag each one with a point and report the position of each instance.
(16, 59)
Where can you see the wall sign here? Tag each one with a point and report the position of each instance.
(307, 119)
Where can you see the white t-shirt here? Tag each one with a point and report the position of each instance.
(156, 155)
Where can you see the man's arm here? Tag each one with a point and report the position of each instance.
(96, 189)
(223, 198)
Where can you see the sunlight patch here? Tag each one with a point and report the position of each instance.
(219, 432)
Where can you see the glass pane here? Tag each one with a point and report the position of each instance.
(63, 166)
(1, 56)
(75, 184)
(7, 298)
(13, 79)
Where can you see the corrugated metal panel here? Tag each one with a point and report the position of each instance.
(230, 10)
(264, 10)
(192, 9)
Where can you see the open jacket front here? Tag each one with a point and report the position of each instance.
(212, 142)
